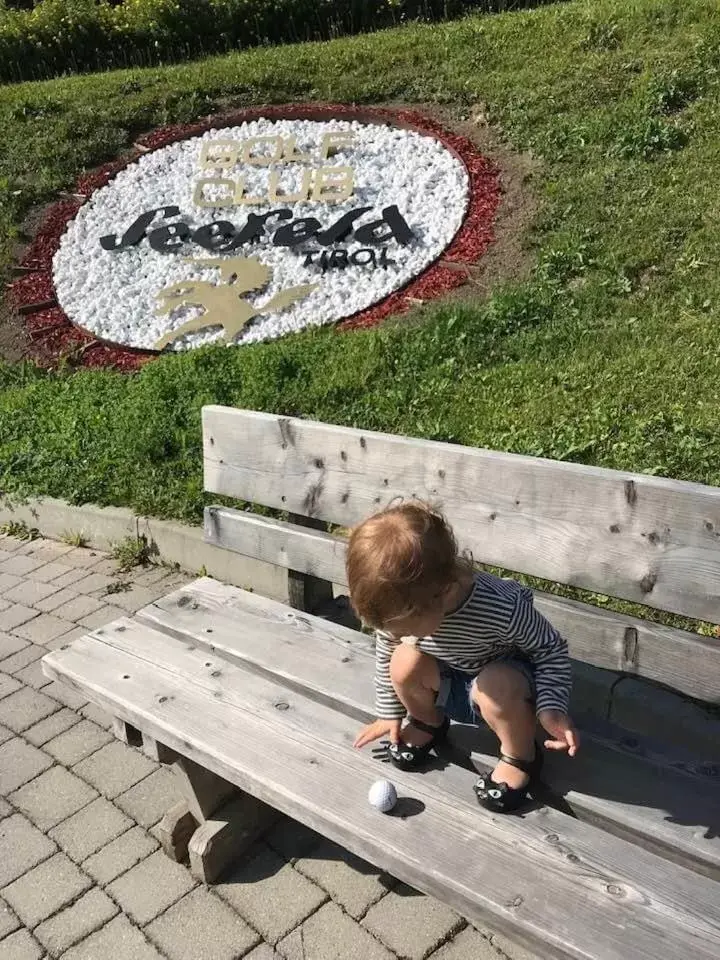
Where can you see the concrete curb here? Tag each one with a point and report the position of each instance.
(632, 703)
(169, 542)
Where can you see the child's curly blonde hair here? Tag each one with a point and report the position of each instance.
(400, 562)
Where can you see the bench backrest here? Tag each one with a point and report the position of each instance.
(639, 538)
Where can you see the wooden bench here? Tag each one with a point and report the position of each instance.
(256, 704)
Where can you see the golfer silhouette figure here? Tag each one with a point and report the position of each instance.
(222, 304)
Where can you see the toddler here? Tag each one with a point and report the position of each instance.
(454, 644)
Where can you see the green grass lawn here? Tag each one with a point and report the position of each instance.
(607, 354)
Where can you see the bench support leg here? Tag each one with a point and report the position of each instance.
(306, 592)
(157, 751)
(203, 791)
(227, 835)
(175, 830)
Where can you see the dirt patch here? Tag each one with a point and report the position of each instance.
(507, 257)
(14, 342)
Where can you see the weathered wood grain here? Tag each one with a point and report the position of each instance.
(642, 538)
(665, 809)
(554, 884)
(225, 836)
(202, 791)
(305, 590)
(685, 661)
(284, 544)
(174, 831)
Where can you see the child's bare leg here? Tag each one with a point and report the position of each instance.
(502, 695)
(416, 680)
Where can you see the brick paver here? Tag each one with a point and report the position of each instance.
(148, 801)
(29, 592)
(64, 694)
(468, 945)
(9, 644)
(21, 945)
(114, 769)
(29, 653)
(81, 873)
(120, 855)
(8, 685)
(33, 675)
(51, 727)
(330, 934)
(79, 742)
(45, 889)
(118, 940)
(49, 572)
(26, 707)
(352, 883)
(86, 831)
(201, 925)
(410, 923)
(20, 762)
(151, 887)
(12, 617)
(52, 797)
(75, 922)
(44, 627)
(22, 846)
(8, 921)
(258, 885)
(19, 565)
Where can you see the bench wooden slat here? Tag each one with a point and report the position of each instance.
(575, 892)
(662, 808)
(646, 539)
(685, 661)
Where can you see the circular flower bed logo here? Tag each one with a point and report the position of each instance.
(268, 224)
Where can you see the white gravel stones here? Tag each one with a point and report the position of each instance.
(113, 294)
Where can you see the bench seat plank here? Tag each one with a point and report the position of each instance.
(556, 885)
(686, 661)
(670, 811)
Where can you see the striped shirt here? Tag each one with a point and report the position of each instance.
(497, 620)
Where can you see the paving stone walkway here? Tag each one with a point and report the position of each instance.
(82, 876)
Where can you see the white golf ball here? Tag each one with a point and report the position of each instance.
(382, 796)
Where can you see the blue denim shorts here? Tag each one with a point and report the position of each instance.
(455, 694)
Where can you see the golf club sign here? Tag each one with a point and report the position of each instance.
(254, 231)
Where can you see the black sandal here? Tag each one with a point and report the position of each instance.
(499, 797)
(408, 757)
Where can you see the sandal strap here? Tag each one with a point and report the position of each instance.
(428, 728)
(527, 766)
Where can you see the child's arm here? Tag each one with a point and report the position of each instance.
(539, 641)
(389, 709)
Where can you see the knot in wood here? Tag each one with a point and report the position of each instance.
(614, 890)
(282, 705)
(648, 582)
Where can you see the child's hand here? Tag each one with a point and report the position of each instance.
(377, 729)
(561, 729)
